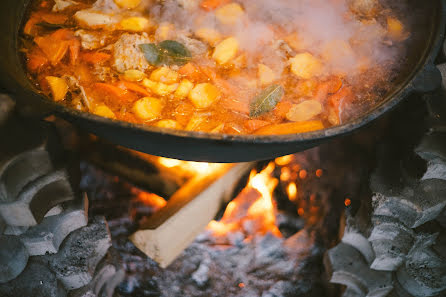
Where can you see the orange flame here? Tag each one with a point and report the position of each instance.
(193, 168)
(253, 211)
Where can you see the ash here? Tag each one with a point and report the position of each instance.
(239, 265)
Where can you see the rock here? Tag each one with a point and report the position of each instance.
(36, 281)
(391, 242)
(36, 199)
(415, 206)
(80, 253)
(13, 258)
(46, 237)
(423, 274)
(346, 266)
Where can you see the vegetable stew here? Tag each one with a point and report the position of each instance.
(216, 66)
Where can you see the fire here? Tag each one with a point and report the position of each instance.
(253, 211)
(151, 199)
(292, 191)
(192, 168)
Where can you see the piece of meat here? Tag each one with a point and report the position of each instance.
(91, 40)
(60, 5)
(195, 46)
(127, 54)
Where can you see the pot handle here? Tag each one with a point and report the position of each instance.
(428, 80)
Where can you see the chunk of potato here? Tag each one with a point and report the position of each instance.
(169, 124)
(158, 88)
(129, 4)
(148, 108)
(209, 35)
(266, 75)
(305, 66)
(229, 14)
(184, 89)
(93, 19)
(204, 95)
(104, 111)
(164, 75)
(304, 111)
(226, 50)
(134, 75)
(135, 24)
(58, 86)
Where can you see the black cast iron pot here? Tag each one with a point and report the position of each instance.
(418, 74)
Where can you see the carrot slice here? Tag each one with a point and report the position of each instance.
(253, 125)
(110, 90)
(191, 72)
(282, 108)
(56, 45)
(133, 87)
(36, 60)
(334, 84)
(95, 57)
(291, 128)
(340, 98)
(75, 48)
(54, 18)
(209, 5)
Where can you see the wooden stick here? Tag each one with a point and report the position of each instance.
(172, 229)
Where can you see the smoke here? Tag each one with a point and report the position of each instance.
(326, 28)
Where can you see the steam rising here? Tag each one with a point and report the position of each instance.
(325, 28)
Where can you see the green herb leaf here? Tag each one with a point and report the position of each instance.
(266, 100)
(174, 52)
(151, 53)
(168, 52)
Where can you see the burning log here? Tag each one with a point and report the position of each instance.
(169, 231)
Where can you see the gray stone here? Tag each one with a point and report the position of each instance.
(280, 289)
(15, 230)
(391, 242)
(436, 169)
(423, 274)
(56, 210)
(352, 293)
(80, 253)
(432, 146)
(36, 281)
(359, 242)
(6, 107)
(13, 258)
(46, 237)
(346, 266)
(416, 206)
(36, 199)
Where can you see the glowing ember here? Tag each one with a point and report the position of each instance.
(285, 160)
(253, 211)
(151, 199)
(292, 191)
(347, 202)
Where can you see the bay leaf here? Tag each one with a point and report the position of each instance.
(174, 53)
(151, 53)
(168, 53)
(266, 100)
